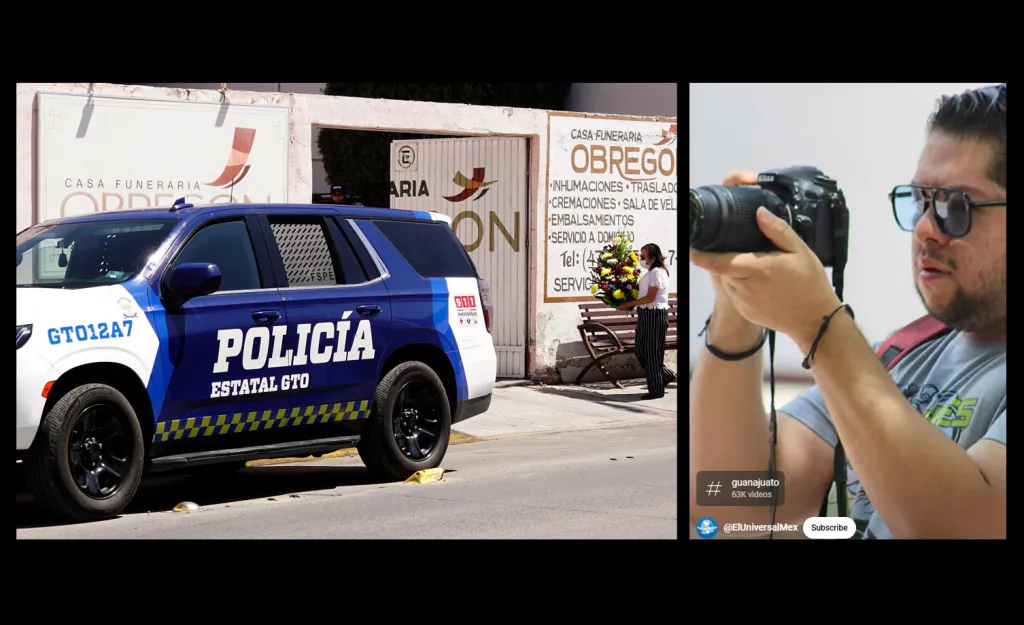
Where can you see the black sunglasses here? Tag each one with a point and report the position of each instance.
(952, 207)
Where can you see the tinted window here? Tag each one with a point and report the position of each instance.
(355, 238)
(70, 255)
(430, 247)
(309, 255)
(351, 269)
(227, 245)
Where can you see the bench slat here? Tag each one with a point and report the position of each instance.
(625, 340)
(598, 335)
(604, 346)
(614, 325)
(599, 314)
(616, 318)
(597, 338)
(595, 305)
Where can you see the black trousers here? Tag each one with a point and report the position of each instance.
(651, 328)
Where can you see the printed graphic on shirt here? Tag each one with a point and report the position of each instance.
(944, 409)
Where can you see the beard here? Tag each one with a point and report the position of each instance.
(971, 312)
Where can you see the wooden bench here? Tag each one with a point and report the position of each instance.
(607, 332)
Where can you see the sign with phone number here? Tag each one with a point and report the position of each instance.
(606, 176)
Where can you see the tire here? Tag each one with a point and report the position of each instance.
(52, 473)
(378, 447)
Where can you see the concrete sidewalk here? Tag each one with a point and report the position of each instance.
(518, 408)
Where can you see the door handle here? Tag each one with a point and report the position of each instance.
(266, 316)
(368, 310)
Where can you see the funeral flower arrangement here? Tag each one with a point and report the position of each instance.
(616, 272)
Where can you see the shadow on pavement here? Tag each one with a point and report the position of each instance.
(620, 400)
(160, 493)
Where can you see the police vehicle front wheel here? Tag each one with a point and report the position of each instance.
(411, 423)
(87, 460)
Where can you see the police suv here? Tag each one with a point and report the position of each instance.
(202, 337)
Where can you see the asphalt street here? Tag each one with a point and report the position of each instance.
(610, 482)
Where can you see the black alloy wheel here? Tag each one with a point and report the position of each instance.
(409, 424)
(89, 454)
(99, 451)
(416, 423)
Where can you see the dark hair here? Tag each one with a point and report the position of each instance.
(654, 253)
(976, 114)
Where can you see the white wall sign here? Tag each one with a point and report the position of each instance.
(100, 153)
(606, 174)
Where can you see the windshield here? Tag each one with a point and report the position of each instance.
(94, 253)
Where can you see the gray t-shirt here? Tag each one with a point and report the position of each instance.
(956, 383)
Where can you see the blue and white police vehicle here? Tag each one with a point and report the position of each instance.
(202, 337)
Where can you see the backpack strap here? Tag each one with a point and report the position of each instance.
(908, 337)
(891, 352)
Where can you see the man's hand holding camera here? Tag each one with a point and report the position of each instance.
(787, 291)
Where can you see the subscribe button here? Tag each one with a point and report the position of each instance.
(835, 527)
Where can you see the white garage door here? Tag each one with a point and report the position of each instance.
(483, 185)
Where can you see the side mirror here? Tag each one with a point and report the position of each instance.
(18, 264)
(189, 280)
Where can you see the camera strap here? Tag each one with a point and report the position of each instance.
(840, 237)
(773, 426)
(890, 352)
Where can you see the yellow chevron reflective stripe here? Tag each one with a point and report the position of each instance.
(215, 425)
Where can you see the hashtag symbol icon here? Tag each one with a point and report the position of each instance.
(714, 488)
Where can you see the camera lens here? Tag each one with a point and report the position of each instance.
(696, 209)
(723, 219)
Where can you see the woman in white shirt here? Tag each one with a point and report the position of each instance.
(652, 321)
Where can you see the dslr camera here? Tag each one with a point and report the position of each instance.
(723, 219)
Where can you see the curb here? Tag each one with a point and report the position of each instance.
(455, 439)
(513, 382)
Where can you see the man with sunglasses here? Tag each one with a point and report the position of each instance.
(926, 440)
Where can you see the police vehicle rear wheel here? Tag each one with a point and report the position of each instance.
(410, 425)
(87, 459)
